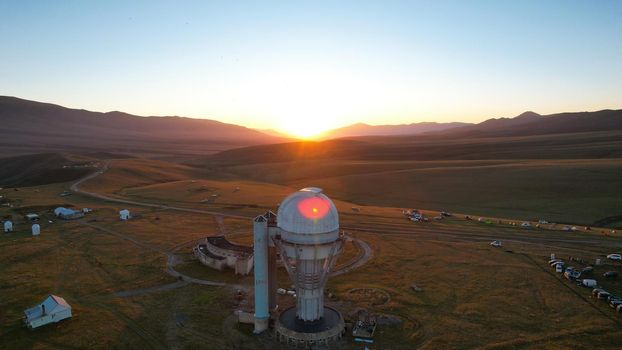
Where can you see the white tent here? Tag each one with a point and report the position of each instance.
(124, 214)
(53, 309)
(36, 229)
(8, 226)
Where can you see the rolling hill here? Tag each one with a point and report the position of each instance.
(530, 123)
(362, 129)
(588, 145)
(40, 169)
(31, 127)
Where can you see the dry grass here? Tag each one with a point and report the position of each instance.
(474, 296)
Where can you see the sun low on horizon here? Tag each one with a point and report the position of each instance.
(304, 68)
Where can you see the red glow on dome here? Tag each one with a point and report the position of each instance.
(313, 208)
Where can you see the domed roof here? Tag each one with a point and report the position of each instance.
(308, 211)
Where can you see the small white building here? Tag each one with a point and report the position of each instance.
(53, 309)
(8, 226)
(36, 229)
(68, 214)
(124, 214)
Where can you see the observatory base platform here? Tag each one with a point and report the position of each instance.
(296, 332)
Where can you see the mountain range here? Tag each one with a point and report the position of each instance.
(362, 129)
(28, 127)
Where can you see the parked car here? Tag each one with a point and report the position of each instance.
(603, 295)
(496, 244)
(589, 283)
(595, 292)
(610, 274)
(559, 268)
(444, 213)
(572, 274)
(614, 257)
(587, 270)
(619, 308)
(615, 302)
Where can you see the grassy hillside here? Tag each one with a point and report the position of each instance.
(40, 169)
(129, 173)
(28, 126)
(562, 146)
(562, 177)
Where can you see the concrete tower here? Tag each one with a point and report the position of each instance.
(260, 238)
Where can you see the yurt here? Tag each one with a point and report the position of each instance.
(124, 214)
(8, 226)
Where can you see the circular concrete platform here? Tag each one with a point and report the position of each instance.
(296, 332)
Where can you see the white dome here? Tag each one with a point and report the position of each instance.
(308, 211)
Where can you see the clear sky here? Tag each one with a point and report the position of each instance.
(304, 67)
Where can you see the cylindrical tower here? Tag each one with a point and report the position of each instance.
(260, 237)
(309, 243)
(272, 258)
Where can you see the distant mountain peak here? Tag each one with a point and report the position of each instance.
(528, 114)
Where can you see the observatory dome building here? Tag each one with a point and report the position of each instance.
(305, 232)
(308, 212)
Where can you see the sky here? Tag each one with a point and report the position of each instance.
(303, 67)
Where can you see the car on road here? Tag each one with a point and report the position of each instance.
(444, 213)
(614, 257)
(610, 274)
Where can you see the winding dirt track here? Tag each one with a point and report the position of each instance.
(172, 259)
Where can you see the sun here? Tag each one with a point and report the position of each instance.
(305, 129)
(307, 121)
